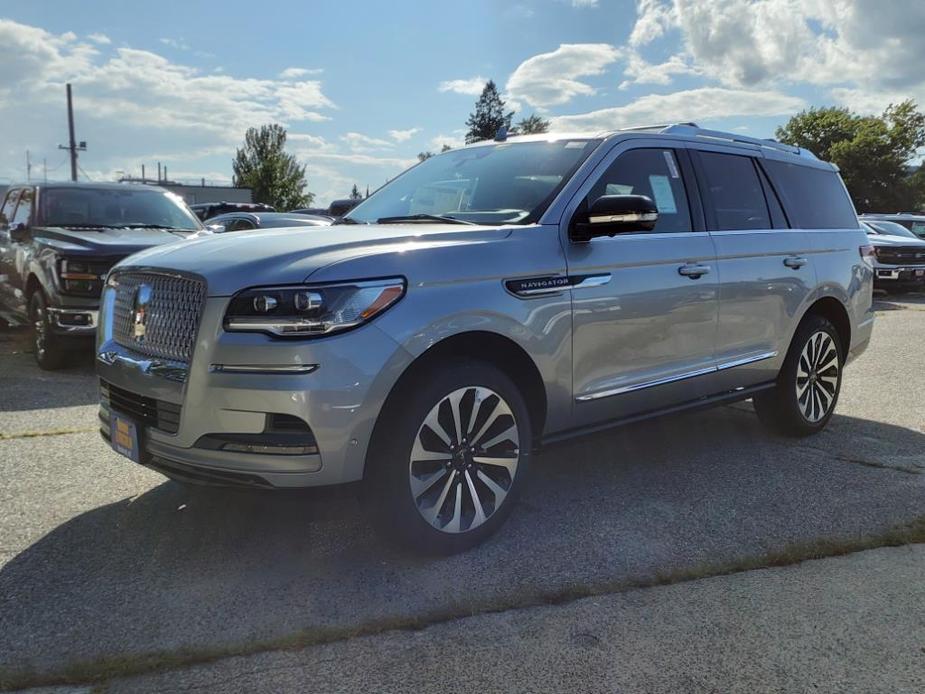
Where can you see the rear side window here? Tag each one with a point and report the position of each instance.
(735, 196)
(814, 198)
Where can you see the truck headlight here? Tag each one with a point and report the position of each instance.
(306, 311)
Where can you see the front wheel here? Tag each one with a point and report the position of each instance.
(449, 458)
(48, 348)
(804, 398)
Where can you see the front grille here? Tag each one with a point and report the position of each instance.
(149, 412)
(157, 315)
(901, 255)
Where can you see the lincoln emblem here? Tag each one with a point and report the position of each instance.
(140, 311)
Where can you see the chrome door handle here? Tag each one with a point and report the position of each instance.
(795, 262)
(693, 271)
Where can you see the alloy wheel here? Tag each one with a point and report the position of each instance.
(818, 372)
(464, 459)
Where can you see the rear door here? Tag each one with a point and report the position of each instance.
(765, 268)
(644, 304)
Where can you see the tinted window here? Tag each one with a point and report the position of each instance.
(735, 197)
(655, 174)
(238, 224)
(815, 198)
(24, 210)
(778, 219)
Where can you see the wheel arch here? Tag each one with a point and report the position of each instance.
(489, 347)
(835, 312)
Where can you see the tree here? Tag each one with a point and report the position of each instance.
(489, 115)
(276, 177)
(532, 125)
(445, 148)
(355, 194)
(873, 152)
(422, 156)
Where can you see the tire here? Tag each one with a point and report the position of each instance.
(432, 492)
(49, 349)
(806, 393)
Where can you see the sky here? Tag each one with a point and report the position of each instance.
(363, 87)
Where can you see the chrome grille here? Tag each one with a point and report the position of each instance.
(163, 326)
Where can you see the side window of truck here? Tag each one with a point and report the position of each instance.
(734, 192)
(24, 210)
(815, 198)
(8, 206)
(654, 173)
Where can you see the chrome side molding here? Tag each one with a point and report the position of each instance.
(553, 284)
(742, 361)
(263, 368)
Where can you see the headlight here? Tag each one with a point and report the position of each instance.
(306, 311)
(79, 277)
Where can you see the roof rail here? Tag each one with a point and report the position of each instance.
(693, 130)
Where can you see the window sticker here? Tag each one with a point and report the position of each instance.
(575, 144)
(672, 166)
(664, 197)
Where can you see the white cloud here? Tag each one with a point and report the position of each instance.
(358, 142)
(101, 39)
(822, 42)
(638, 71)
(403, 135)
(700, 104)
(293, 73)
(472, 86)
(584, 3)
(179, 44)
(456, 139)
(551, 79)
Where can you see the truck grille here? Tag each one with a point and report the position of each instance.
(157, 315)
(901, 255)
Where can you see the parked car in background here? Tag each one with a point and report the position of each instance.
(207, 210)
(913, 222)
(899, 256)
(489, 300)
(314, 211)
(243, 221)
(58, 242)
(338, 208)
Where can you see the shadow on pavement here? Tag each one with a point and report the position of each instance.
(177, 568)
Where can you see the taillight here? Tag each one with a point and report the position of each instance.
(868, 253)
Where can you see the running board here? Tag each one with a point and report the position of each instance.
(691, 405)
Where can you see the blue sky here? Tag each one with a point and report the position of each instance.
(364, 86)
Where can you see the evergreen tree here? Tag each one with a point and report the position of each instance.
(489, 115)
(275, 177)
(355, 194)
(532, 125)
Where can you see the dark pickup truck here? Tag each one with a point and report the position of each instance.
(58, 242)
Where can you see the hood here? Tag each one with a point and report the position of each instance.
(105, 242)
(231, 262)
(889, 240)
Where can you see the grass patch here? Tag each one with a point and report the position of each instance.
(99, 671)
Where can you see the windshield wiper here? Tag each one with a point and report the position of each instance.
(153, 226)
(423, 218)
(344, 220)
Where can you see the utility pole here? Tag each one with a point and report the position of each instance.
(73, 147)
(28, 167)
(45, 168)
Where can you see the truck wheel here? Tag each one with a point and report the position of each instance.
(449, 459)
(49, 350)
(809, 382)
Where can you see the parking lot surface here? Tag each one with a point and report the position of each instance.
(102, 559)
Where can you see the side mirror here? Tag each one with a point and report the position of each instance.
(616, 214)
(19, 232)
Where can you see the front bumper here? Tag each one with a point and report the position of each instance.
(74, 321)
(892, 275)
(339, 399)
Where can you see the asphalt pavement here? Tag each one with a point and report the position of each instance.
(104, 564)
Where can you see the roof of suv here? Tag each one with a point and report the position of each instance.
(84, 184)
(681, 131)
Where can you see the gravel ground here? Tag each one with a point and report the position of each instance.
(102, 559)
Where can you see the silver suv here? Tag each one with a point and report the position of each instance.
(488, 301)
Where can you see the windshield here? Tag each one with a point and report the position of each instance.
(111, 207)
(505, 183)
(891, 228)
